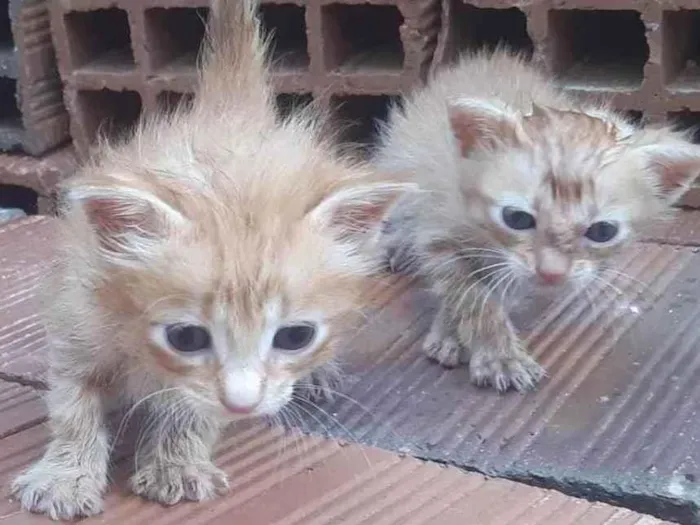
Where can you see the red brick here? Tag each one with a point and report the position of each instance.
(315, 481)
(139, 59)
(33, 117)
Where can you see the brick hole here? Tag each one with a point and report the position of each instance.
(10, 114)
(635, 117)
(681, 49)
(599, 50)
(174, 37)
(111, 113)
(478, 28)
(358, 116)
(171, 100)
(18, 197)
(686, 120)
(6, 39)
(362, 38)
(288, 26)
(287, 103)
(100, 40)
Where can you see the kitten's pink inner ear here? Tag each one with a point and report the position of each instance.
(476, 125)
(110, 216)
(360, 216)
(126, 221)
(356, 211)
(676, 167)
(675, 176)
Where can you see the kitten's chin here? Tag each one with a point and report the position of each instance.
(547, 289)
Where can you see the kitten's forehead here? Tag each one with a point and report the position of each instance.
(568, 159)
(247, 320)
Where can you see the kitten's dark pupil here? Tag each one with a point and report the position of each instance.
(294, 337)
(602, 231)
(188, 338)
(518, 219)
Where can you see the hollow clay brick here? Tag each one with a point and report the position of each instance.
(29, 183)
(642, 55)
(118, 57)
(33, 118)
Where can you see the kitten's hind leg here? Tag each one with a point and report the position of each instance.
(322, 383)
(174, 464)
(70, 479)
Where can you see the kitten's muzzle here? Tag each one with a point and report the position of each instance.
(243, 388)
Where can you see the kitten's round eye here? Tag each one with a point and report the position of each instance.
(602, 231)
(188, 337)
(294, 337)
(517, 219)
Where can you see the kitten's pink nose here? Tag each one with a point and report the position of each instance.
(551, 277)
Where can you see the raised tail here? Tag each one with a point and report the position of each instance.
(234, 58)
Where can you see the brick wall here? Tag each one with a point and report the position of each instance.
(32, 115)
(118, 57)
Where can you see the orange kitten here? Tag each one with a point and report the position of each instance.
(207, 265)
(522, 184)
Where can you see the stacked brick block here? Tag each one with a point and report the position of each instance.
(33, 118)
(643, 55)
(119, 57)
(32, 115)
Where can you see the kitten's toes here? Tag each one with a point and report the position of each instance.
(518, 371)
(61, 493)
(169, 484)
(399, 262)
(323, 384)
(446, 350)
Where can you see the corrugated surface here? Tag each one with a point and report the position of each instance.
(617, 417)
(20, 407)
(684, 230)
(26, 251)
(310, 481)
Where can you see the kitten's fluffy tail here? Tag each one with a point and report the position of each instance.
(233, 63)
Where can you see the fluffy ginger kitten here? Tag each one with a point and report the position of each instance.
(207, 265)
(520, 184)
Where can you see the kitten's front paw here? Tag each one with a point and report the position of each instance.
(516, 370)
(62, 493)
(169, 484)
(446, 350)
(322, 384)
(400, 261)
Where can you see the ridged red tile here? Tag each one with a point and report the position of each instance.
(324, 482)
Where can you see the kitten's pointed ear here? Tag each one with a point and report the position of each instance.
(480, 123)
(355, 213)
(674, 167)
(128, 222)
